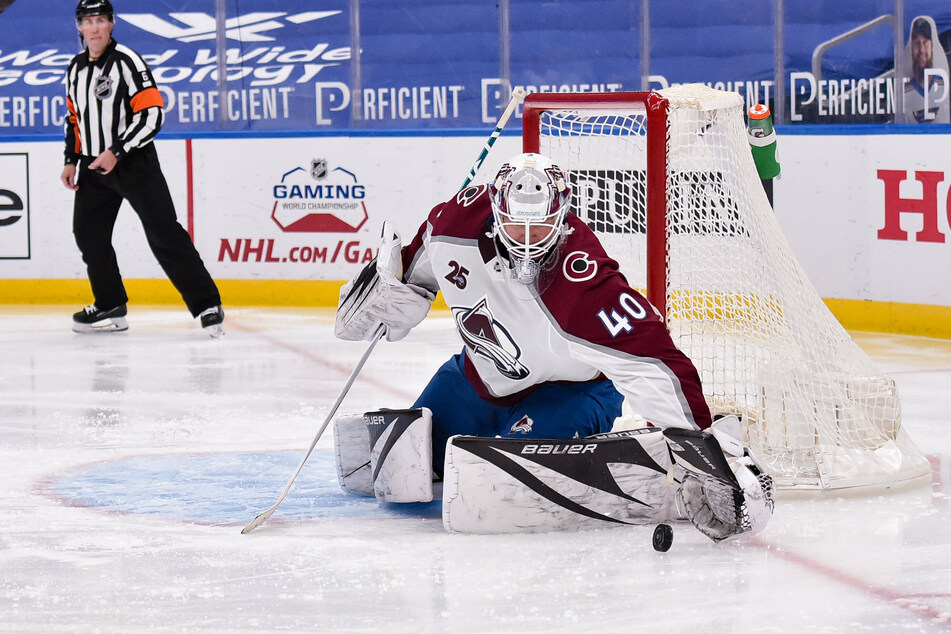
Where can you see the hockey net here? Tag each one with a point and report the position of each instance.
(668, 182)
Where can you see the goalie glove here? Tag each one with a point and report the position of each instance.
(721, 511)
(724, 492)
(378, 296)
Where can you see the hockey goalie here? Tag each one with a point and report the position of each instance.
(518, 425)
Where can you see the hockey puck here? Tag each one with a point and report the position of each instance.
(663, 538)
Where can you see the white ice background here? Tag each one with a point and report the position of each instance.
(129, 463)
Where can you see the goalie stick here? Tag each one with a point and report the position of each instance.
(517, 96)
(262, 517)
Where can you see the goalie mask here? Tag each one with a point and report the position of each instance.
(529, 203)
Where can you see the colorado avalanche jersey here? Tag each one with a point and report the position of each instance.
(583, 321)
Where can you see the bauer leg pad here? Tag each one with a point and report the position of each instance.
(401, 454)
(514, 485)
(352, 452)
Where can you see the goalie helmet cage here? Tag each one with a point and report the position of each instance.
(667, 181)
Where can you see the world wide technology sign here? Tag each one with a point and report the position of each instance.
(292, 67)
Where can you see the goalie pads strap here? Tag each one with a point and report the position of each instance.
(514, 485)
(401, 454)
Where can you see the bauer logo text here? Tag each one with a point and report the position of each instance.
(554, 450)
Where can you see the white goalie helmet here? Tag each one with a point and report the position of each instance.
(530, 198)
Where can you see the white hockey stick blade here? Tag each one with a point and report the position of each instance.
(262, 517)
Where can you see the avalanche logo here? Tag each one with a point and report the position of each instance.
(319, 200)
(579, 267)
(470, 194)
(486, 337)
(522, 425)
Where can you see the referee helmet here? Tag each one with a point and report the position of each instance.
(89, 8)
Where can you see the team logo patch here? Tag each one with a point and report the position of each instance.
(579, 267)
(522, 425)
(486, 337)
(103, 89)
(469, 195)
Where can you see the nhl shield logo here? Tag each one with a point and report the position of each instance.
(103, 89)
(318, 169)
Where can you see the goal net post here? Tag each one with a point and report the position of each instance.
(667, 181)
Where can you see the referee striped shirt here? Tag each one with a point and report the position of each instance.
(113, 104)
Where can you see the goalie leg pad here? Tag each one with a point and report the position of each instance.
(519, 485)
(352, 454)
(401, 454)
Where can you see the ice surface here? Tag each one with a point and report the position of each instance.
(130, 461)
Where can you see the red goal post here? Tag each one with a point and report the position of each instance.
(654, 112)
(667, 181)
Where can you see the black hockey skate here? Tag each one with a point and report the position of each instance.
(211, 320)
(93, 319)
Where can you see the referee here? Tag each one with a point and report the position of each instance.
(115, 110)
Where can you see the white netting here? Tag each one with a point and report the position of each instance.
(817, 412)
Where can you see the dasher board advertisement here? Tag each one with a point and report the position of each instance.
(292, 66)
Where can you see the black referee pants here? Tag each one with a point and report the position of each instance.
(137, 178)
